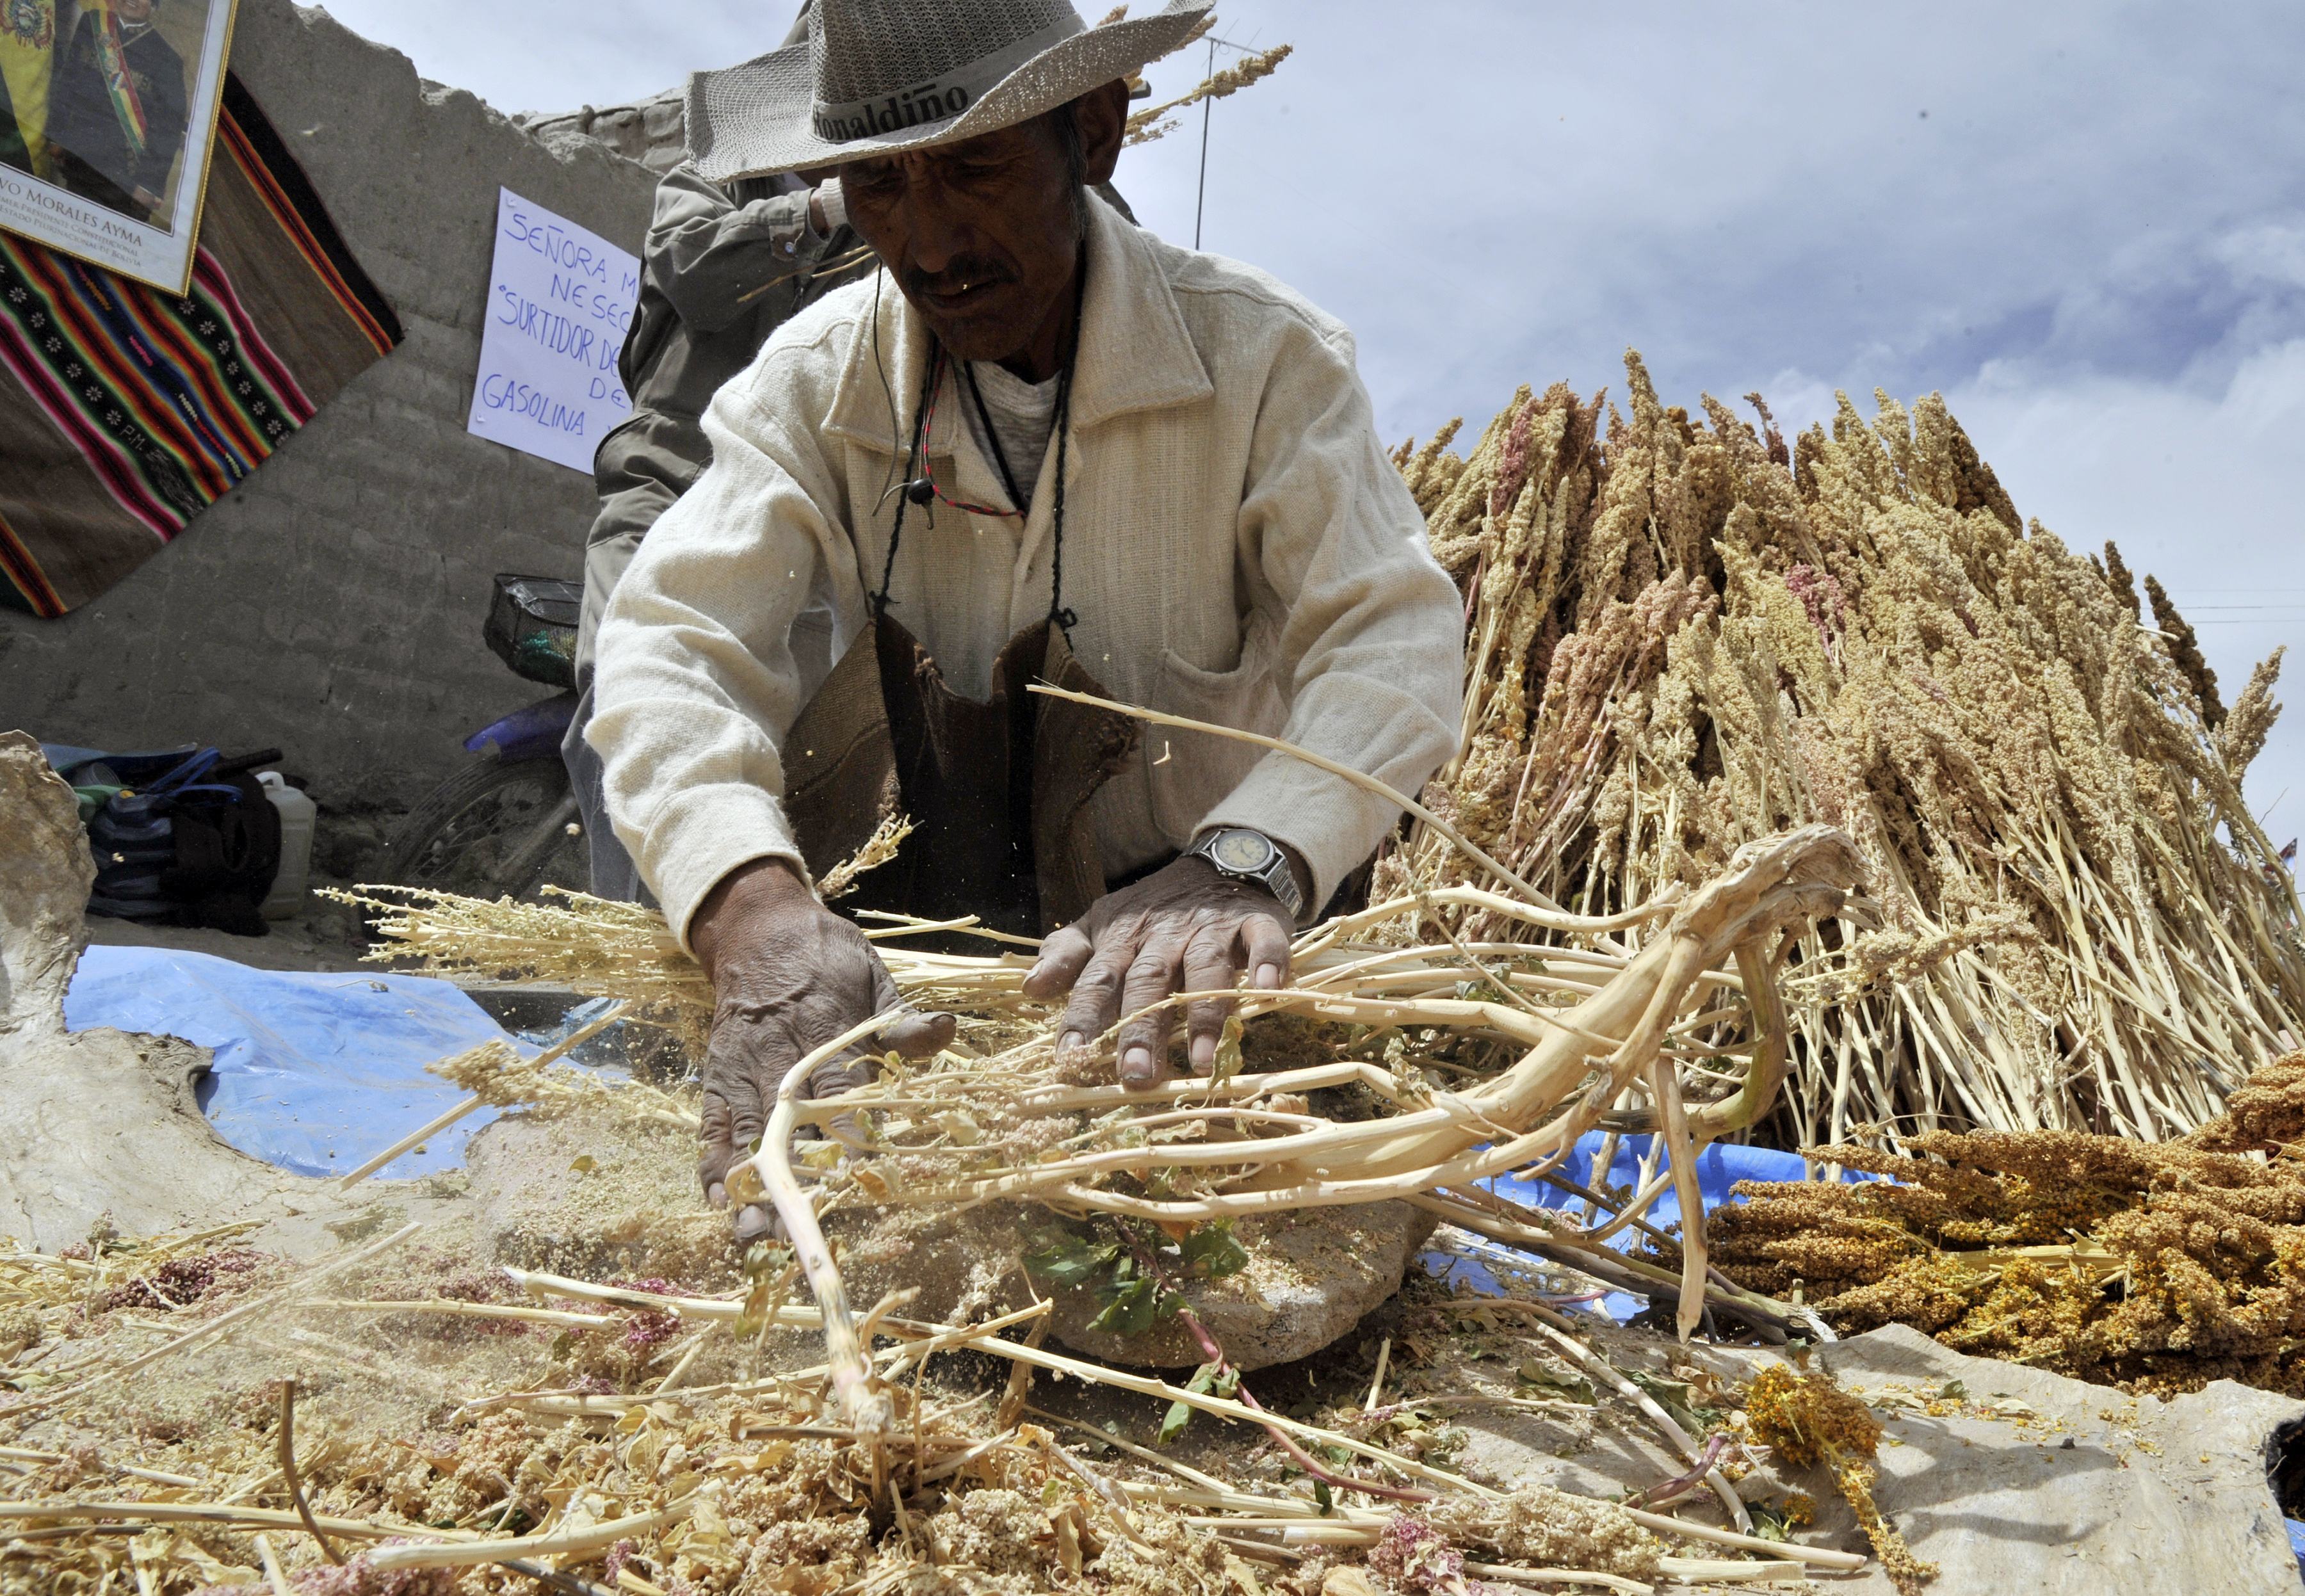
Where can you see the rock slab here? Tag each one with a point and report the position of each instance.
(1314, 1275)
(2100, 1495)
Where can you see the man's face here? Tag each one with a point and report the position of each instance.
(983, 236)
(134, 13)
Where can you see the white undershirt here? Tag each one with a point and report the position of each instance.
(1024, 413)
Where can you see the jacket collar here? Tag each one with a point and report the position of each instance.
(1136, 353)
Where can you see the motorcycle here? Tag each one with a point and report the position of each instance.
(508, 825)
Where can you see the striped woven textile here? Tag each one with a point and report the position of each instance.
(125, 411)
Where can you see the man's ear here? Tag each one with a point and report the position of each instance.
(1103, 117)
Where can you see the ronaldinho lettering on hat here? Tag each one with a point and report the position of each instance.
(935, 103)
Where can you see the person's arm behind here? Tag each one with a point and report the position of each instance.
(715, 258)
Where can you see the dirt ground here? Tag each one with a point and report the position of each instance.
(325, 937)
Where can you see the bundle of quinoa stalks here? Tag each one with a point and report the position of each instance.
(1688, 632)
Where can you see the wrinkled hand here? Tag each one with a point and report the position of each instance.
(788, 975)
(1184, 929)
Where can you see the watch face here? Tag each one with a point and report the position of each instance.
(1244, 852)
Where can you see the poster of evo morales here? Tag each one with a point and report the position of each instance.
(107, 117)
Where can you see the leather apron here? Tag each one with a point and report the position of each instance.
(999, 792)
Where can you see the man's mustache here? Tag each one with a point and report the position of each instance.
(972, 271)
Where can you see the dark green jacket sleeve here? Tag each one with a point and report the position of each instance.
(709, 257)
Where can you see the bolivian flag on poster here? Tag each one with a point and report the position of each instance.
(27, 52)
(107, 116)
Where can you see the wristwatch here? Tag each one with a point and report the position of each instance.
(1245, 855)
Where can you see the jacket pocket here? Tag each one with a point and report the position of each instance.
(1191, 772)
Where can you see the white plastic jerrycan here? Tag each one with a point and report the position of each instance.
(297, 814)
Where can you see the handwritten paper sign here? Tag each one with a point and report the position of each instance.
(559, 304)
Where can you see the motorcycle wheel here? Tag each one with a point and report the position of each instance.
(494, 830)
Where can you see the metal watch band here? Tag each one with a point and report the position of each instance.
(1276, 876)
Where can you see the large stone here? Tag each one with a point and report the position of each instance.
(581, 1194)
(44, 859)
(2099, 1495)
(1312, 1275)
(963, 1264)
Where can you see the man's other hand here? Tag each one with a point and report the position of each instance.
(788, 975)
(1182, 929)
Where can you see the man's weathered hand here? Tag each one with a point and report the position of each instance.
(1184, 929)
(788, 975)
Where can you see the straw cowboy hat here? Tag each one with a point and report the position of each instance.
(878, 77)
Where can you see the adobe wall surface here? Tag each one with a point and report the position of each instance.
(654, 132)
(332, 605)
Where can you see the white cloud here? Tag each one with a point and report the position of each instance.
(2272, 253)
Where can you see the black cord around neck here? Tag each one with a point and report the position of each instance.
(1064, 619)
(904, 489)
(993, 438)
(915, 458)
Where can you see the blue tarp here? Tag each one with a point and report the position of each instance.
(1719, 1168)
(315, 1074)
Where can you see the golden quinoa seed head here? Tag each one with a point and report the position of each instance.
(1811, 1423)
(2156, 1267)
(1807, 1419)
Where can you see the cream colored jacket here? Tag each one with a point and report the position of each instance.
(1238, 547)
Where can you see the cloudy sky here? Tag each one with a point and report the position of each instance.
(2083, 221)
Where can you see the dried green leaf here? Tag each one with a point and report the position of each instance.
(1065, 1259)
(1131, 1307)
(1227, 1061)
(1213, 1252)
(1171, 1427)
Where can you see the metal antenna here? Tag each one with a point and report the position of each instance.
(1201, 210)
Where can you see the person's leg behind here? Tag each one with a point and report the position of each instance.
(614, 876)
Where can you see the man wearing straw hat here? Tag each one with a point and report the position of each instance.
(1039, 446)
